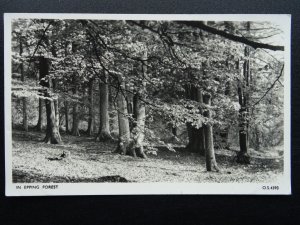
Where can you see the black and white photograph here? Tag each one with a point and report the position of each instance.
(147, 104)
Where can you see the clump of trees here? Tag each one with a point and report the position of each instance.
(212, 77)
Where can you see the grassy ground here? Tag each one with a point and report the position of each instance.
(90, 161)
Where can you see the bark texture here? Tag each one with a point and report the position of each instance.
(104, 127)
(138, 131)
(139, 114)
(210, 159)
(125, 143)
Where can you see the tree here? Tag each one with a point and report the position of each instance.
(39, 125)
(243, 94)
(125, 143)
(178, 71)
(52, 130)
(67, 116)
(104, 127)
(210, 159)
(24, 100)
(139, 114)
(91, 107)
(231, 37)
(76, 85)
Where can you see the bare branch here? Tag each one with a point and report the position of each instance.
(232, 37)
(269, 89)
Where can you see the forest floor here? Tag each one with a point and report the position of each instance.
(90, 161)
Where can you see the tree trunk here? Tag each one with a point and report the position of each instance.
(104, 127)
(135, 110)
(52, 130)
(24, 100)
(67, 116)
(56, 108)
(132, 145)
(243, 94)
(25, 119)
(139, 115)
(210, 159)
(130, 107)
(125, 143)
(75, 127)
(39, 125)
(138, 131)
(91, 109)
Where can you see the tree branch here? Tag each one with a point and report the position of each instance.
(232, 37)
(269, 89)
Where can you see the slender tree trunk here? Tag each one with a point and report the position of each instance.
(125, 143)
(130, 106)
(24, 100)
(104, 127)
(39, 125)
(91, 109)
(243, 94)
(52, 130)
(75, 127)
(25, 119)
(56, 108)
(138, 131)
(139, 114)
(210, 159)
(67, 116)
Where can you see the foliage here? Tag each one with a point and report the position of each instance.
(173, 55)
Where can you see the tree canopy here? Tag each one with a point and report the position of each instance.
(165, 65)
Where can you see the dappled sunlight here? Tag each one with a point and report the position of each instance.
(90, 161)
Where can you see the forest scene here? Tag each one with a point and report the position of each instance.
(146, 101)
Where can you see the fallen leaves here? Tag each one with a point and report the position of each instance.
(91, 161)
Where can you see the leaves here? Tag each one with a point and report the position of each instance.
(159, 59)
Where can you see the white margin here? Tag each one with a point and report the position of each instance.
(149, 188)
